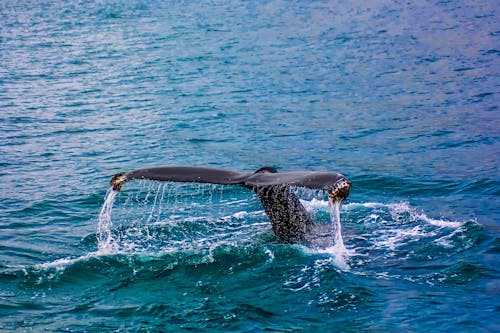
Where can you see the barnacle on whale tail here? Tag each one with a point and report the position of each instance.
(118, 180)
(340, 191)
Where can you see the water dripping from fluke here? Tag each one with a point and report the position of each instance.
(105, 241)
(338, 249)
(290, 221)
(330, 241)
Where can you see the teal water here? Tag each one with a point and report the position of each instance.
(402, 98)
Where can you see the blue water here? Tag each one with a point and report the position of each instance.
(402, 98)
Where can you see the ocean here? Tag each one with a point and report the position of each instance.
(400, 97)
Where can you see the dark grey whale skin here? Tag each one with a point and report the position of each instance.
(290, 221)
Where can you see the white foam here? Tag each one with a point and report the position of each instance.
(404, 207)
(340, 256)
(447, 240)
(440, 223)
(394, 238)
(61, 264)
(270, 254)
(365, 204)
(400, 208)
(393, 225)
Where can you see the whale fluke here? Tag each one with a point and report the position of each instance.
(289, 219)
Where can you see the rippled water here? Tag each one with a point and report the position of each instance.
(402, 98)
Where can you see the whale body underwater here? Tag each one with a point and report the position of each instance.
(291, 222)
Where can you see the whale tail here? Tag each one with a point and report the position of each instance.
(289, 219)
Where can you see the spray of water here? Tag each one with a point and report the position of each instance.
(337, 229)
(109, 242)
(338, 249)
(106, 243)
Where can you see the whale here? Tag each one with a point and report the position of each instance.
(290, 221)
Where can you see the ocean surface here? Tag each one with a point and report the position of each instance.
(401, 97)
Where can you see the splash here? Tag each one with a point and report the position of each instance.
(337, 229)
(338, 249)
(155, 222)
(166, 224)
(106, 243)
